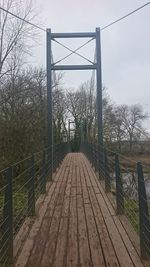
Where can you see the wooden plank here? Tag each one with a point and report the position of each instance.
(131, 232)
(90, 181)
(85, 194)
(74, 180)
(95, 246)
(99, 188)
(131, 250)
(27, 248)
(120, 249)
(106, 243)
(83, 239)
(94, 242)
(22, 235)
(62, 239)
(66, 204)
(104, 239)
(60, 254)
(50, 247)
(79, 191)
(128, 244)
(118, 244)
(128, 234)
(41, 238)
(72, 248)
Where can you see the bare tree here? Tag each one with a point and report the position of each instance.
(23, 115)
(14, 32)
(59, 114)
(132, 118)
(119, 128)
(82, 107)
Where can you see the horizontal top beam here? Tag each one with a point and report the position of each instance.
(74, 35)
(74, 67)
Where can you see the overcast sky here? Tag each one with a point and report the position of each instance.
(125, 46)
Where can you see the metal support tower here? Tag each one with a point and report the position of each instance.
(52, 66)
(99, 88)
(49, 103)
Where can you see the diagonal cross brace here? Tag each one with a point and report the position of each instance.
(73, 51)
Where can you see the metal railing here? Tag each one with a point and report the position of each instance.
(21, 185)
(129, 181)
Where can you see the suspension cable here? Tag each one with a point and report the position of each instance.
(125, 16)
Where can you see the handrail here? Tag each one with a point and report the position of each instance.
(128, 185)
(23, 183)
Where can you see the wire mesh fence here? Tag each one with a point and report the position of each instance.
(22, 184)
(129, 182)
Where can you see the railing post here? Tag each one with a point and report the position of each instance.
(101, 162)
(119, 187)
(31, 188)
(92, 159)
(91, 154)
(59, 156)
(8, 215)
(144, 220)
(94, 156)
(59, 152)
(55, 158)
(46, 162)
(50, 166)
(107, 176)
(43, 174)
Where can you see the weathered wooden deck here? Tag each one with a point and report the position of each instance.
(77, 225)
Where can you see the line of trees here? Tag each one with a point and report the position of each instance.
(120, 122)
(22, 89)
(23, 100)
(23, 116)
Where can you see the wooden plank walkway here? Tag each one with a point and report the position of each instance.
(77, 225)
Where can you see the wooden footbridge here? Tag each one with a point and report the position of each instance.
(76, 224)
(74, 209)
(77, 218)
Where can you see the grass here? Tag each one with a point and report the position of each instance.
(132, 212)
(131, 162)
(20, 212)
(19, 208)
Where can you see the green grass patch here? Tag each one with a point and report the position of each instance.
(132, 212)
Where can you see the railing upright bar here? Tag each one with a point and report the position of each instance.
(99, 163)
(119, 187)
(107, 175)
(43, 174)
(31, 188)
(50, 159)
(8, 215)
(144, 220)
